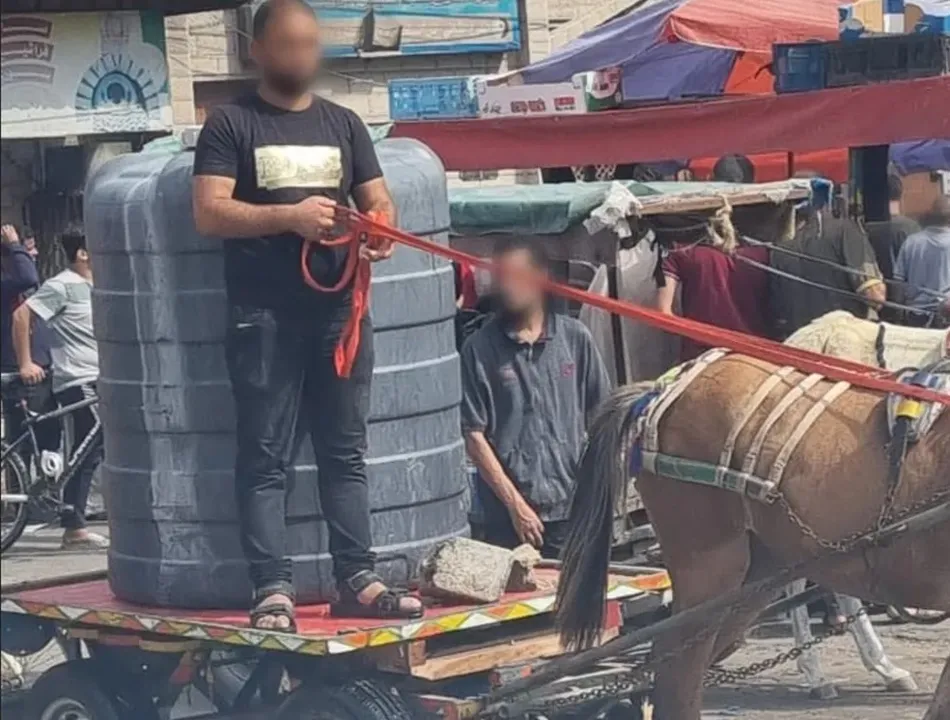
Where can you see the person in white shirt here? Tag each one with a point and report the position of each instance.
(64, 303)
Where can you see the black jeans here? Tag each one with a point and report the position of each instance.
(503, 534)
(39, 399)
(85, 429)
(282, 371)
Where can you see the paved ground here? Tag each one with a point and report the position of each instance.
(37, 555)
(780, 695)
(776, 695)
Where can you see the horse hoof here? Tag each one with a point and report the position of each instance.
(824, 692)
(905, 684)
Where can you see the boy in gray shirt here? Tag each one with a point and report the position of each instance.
(531, 380)
(64, 303)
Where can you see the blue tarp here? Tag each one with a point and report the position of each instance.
(922, 156)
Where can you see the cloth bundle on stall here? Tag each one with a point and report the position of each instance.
(648, 351)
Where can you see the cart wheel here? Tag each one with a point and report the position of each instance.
(69, 692)
(357, 700)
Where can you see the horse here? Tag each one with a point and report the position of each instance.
(746, 467)
(887, 346)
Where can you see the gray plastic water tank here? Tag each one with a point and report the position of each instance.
(159, 311)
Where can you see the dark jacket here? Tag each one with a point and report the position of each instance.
(18, 279)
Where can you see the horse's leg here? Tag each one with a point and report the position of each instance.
(809, 663)
(698, 577)
(872, 650)
(732, 632)
(940, 705)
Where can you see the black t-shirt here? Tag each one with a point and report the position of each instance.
(887, 237)
(281, 157)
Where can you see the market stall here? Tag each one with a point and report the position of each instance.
(612, 226)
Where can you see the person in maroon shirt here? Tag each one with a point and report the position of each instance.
(717, 288)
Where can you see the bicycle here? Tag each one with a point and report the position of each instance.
(20, 488)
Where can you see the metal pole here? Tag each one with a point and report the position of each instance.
(616, 327)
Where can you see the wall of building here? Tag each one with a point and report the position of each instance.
(18, 168)
(203, 50)
(205, 68)
(73, 74)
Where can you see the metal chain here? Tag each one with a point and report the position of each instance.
(638, 677)
(719, 676)
(849, 543)
(640, 672)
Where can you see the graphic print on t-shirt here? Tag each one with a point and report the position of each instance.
(298, 166)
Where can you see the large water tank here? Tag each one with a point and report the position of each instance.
(159, 311)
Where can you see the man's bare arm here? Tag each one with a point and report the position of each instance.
(526, 522)
(874, 293)
(666, 295)
(483, 457)
(217, 213)
(30, 372)
(373, 197)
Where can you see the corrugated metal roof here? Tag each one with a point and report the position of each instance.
(169, 7)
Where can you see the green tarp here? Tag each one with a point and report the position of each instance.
(548, 209)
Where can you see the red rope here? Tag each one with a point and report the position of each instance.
(834, 368)
(357, 270)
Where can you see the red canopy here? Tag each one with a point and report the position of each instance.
(753, 25)
(800, 122)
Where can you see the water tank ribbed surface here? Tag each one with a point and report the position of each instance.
(159, 310)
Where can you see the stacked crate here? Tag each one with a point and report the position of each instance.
(884, 58)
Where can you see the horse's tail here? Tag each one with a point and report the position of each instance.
(601, 484)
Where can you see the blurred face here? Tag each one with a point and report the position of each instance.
(30, 245)
(289, 52)
(518, 283)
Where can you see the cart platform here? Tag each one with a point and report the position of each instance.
(89, 603)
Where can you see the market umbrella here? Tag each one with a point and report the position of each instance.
(672, 49)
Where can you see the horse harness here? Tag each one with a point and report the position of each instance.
(908, 421)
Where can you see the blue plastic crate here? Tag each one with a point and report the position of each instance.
(432, 99)
(799, 67)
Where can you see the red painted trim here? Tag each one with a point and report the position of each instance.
(799, 122)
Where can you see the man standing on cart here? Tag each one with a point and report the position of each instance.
(271, 170)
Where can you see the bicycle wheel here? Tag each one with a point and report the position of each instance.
(14, 480)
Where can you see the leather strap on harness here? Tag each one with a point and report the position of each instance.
(357, 270)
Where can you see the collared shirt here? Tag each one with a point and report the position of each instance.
(533, 402)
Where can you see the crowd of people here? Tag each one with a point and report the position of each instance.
(531, 377)
(901, 273)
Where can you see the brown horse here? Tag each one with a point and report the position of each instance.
(835, 482)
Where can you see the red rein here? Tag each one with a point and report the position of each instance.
(357, 270)
(840, 369)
